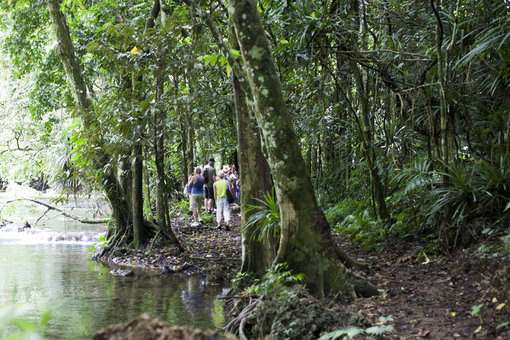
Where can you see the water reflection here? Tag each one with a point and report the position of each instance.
(83, 296)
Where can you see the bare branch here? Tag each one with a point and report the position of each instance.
(51, 207)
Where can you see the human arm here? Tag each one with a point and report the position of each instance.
(192, 180)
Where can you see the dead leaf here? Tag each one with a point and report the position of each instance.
(500, 306)
(423, 333)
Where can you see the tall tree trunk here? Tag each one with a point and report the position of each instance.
(254, 171)
(362, 88)
(377, 189)
(159, 151)
(306, 243)
(160, 137)
(256, 181)
(140, 234)
(186, 171)
(81, 97)
(255, 177)
(443, 113)
(190, 63)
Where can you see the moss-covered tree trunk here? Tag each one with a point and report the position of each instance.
(159, 150)
(256, 180)
(254, 171)
(306, 243)
(140, 233)
(72, 68)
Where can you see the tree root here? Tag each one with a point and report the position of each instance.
(239, 322)
(122, 237)
(348, 262)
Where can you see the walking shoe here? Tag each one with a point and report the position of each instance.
(195, 224)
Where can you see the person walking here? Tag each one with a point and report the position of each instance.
(196, 181)
(209, 174)
(222, 205)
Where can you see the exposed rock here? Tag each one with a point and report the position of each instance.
(150, 327)
(25, 227)
(122, 272)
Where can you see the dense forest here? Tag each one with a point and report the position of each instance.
(385, 121)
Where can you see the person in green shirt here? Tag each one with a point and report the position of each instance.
(222, 205)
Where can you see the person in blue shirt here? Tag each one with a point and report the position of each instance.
(196, 181)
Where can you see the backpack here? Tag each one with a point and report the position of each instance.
(230, 197)
(206, 176)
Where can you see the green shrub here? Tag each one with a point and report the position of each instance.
(355, 219)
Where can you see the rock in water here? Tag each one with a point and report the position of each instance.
(26, 226)
(150, 327)
(122, 272)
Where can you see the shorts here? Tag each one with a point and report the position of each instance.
(209, 193)
(195, 201)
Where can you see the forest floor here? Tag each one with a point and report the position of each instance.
(465, 295)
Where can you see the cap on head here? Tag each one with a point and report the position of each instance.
(211, 160)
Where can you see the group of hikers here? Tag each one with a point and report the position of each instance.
(205, 186)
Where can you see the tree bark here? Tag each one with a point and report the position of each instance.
(377, 189)
(72, 68)
(445, 141)
(306, 244)
(255, 177)
(189, 129)
(159, 152)
(256, 181)
(140, 230)
(140, 235)
(254, 171)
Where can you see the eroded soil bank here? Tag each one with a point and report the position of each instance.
(465, 295)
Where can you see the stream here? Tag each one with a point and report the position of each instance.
(48, 268)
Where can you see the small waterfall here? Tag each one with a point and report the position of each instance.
(46, 235)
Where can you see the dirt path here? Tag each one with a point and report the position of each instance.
(208, 250)
(438, 298)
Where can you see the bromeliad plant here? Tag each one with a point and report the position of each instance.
(264, 222)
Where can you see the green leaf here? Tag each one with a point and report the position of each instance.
(504, 324)
(235, 53)
(379, 330)
(350, 332)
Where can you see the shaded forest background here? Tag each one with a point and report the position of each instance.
(401, 108)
